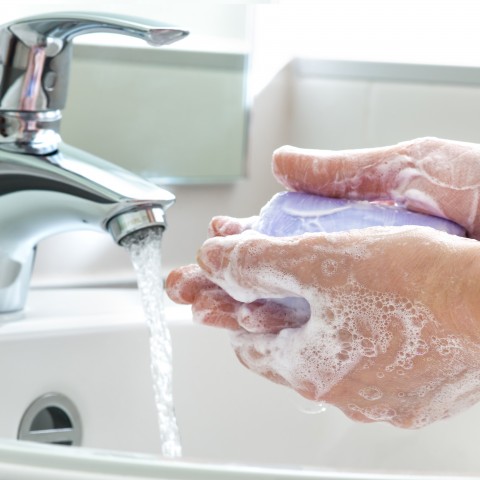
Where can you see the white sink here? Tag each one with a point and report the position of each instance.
(91, 346)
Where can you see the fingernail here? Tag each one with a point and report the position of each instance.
(214, 226)
(219, 226)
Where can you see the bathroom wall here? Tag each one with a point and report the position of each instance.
(137, 105)
(350, 104)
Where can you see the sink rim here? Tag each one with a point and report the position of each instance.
(80, 460)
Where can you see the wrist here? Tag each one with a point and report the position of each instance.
(464, 293)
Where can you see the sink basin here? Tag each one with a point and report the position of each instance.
(74, 343)
(90, 346)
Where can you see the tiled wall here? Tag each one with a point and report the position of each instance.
(360, 106)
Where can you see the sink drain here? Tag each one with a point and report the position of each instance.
(53, 419)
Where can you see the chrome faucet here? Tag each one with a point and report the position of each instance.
(46, 186)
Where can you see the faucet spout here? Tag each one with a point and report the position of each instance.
(67, 190)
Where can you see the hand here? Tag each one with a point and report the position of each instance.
(428, 175)
(397, 344)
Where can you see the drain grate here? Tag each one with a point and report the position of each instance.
(51, 418)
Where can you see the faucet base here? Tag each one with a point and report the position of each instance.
(30, 132)
(14, 281)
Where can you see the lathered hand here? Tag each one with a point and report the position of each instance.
(428, 175)
(393, 329)
(393, 333)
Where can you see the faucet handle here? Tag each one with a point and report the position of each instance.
(35, 53)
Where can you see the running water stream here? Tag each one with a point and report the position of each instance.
(145, 252)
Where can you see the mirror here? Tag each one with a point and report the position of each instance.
(174, 114)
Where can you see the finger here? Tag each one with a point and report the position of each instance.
(251, 267)
(215, 308)
(223, 226)
(370, 173)
(184, 284)
(272, 316)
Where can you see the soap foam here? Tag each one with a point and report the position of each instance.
(349, 324)
(370, 393)
(450, 398)
(377, 413)
(349, 327)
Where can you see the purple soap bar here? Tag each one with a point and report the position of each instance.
(294, 213)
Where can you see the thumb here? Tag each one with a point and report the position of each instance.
(222, 226)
